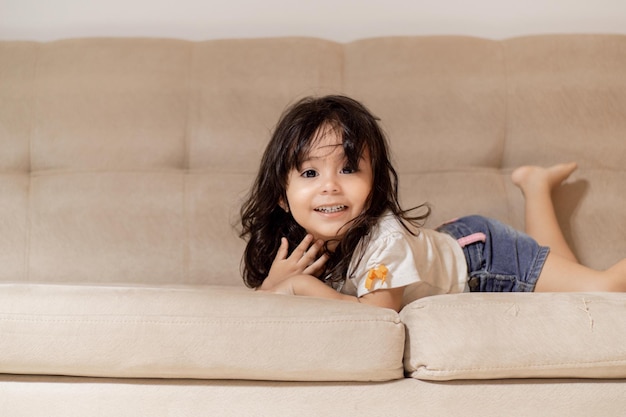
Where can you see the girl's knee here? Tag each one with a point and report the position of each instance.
(617, 277)
(618, 286)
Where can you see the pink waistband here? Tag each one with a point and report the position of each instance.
(473, 238)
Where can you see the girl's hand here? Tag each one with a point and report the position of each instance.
(304, 260)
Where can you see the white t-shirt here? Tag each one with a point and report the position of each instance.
(430, 263)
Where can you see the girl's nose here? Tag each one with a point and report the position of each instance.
(330, 185)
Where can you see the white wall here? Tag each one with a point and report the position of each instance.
(341, 20)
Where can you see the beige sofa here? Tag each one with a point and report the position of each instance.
(122, 166)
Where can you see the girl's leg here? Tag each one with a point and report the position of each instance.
(537, 184)
(563, 275)
(561, 271)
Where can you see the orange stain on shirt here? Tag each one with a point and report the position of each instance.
(376, 273)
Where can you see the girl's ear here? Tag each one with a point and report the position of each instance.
(283, 205)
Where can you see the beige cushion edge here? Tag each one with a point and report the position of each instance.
(219, 333)
(581, 335)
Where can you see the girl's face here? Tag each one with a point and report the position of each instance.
(325, 194)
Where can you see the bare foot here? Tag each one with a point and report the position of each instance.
(533, 178)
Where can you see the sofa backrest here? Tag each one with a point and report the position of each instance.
(126, 160)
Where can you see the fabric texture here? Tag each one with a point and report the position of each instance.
(499, 258)
(194, 332)
(508, 335)
(78, 397)
(426, 262)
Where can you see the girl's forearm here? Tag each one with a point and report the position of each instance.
(308, 285)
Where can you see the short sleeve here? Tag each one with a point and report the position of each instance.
(387, 263)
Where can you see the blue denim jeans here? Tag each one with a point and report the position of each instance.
(499, 258)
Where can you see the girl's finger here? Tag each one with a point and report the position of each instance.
(316, 266)
(313, 252)
(283, 249)
(302, 247)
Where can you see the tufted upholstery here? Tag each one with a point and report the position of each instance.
(125, 161)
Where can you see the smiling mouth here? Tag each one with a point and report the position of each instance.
(331, 209)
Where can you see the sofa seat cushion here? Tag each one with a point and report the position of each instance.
(200, 332)
(530, 335)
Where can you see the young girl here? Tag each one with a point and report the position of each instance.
(323, 219)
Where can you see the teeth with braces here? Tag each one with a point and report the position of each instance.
(330, 209)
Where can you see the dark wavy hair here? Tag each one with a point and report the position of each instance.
(264, 222)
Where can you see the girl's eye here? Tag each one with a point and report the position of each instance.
(348, 170)
(309, 173)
